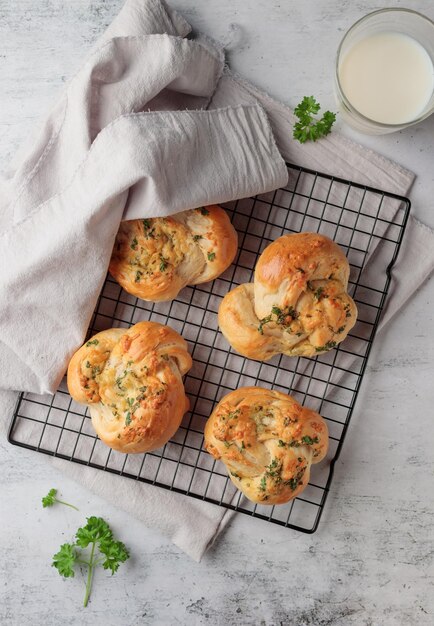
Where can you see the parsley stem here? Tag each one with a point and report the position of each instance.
(89, 575)
(67, 504)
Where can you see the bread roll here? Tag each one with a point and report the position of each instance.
(297, 305)
(154, 259)
(131, 379)
(267, 441)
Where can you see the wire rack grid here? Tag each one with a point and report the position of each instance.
(368, 224)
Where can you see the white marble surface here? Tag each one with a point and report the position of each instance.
(372, 560)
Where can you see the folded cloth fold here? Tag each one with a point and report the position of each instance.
(165, 160)
(130, 138)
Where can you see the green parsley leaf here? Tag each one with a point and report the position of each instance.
(96, 529)
(134, 244)
(93, 342)
(96, 533)
(115, 553)
(64, 560)
(50, 499)
(197, 237)
(211, 256)
(203, 210)
(163, 263)
(310, 128)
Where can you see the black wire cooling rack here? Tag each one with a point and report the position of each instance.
(368, 224)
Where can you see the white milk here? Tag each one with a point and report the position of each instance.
(388, 77)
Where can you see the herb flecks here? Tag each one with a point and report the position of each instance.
(92, 342)
(119, 380)
(263, 321)
(297, 443)
(327, 346)
(273, 472)
(318, 293)
(163, 263)
(283, 317)
(203, 211)
(148, 230)
(274, 468)
(309, 440)
(211, 256)
(296, 480)
(233, 414)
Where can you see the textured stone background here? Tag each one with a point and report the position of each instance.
(371, 561)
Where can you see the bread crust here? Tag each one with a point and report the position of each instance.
(267, 441)
(131, 379)
(298, 304)
(154, 259)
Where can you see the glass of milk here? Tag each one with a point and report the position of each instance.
(384, 79)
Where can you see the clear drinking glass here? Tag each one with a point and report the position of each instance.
(402, 21)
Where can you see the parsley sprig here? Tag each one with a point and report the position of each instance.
(310, 128)
(50, 499)
(96, 533)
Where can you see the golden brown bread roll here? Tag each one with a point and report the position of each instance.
(132, 381)
(154, 259)
(298, 304)
(267, 441)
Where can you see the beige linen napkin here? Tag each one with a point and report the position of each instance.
(191, 524)
(129, 138)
